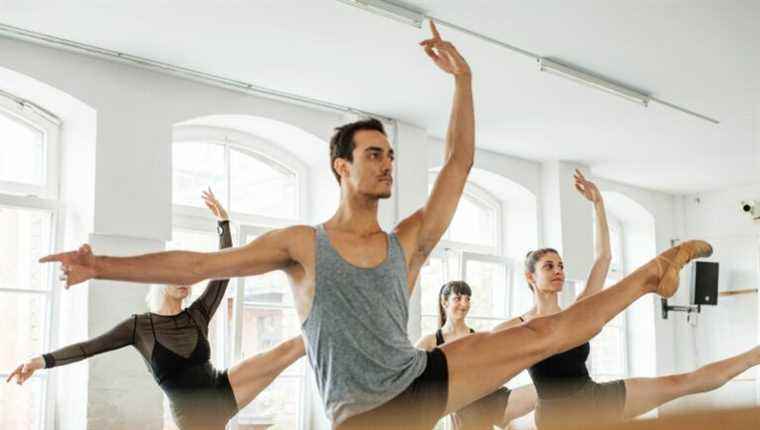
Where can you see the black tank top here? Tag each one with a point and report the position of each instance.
(562, 374)
(439, 337)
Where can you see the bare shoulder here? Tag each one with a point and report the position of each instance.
(300, 231)
(514, 322)
(299, 239)
(426, 343)
(409, 224)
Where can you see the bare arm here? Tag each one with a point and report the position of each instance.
(421, 231)
(602, 251)
(271, 251)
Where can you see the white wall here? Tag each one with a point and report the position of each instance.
(732, 326)
(125, 193)
(123, 120)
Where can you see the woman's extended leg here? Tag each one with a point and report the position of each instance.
(645, 394)
(480, 363)
(252, 375)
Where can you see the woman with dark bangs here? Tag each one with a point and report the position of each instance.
(500, 407)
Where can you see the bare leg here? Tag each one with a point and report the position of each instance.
(480, 363)
(252, 375)
(645, 394)
(522, 401)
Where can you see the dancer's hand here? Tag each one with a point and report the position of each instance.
(76, 266)
(586, 188)
(216, 208)
(445, 55)
(26, 370)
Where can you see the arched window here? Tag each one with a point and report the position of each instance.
(262, 186)
(470, 250)
(609, 349)
(28, 204)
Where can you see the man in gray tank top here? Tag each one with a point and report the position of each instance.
(351, 282)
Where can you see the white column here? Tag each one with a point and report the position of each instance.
(411, 192)
(567, 223)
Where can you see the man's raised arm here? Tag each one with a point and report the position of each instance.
(271, 251)
(423, 229)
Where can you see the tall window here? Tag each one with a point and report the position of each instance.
(261, 188)
(470, 250)
(28, 192)
(609, 349)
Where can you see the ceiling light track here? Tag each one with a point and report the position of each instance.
(403, 13)
(184, 72)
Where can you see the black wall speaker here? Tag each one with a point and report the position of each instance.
(704, 288)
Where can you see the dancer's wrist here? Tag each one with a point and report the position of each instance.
(37, 362)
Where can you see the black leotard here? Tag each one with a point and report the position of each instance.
(484, 413)
(177, 352)
(567, 394)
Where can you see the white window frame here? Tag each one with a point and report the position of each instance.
(43, 198)
(243, 225)
(50, 129)
(618, 272)
(303, 396)
(262, 150)
(475, 252)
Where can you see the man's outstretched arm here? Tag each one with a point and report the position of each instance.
(271, 251)
(423, 229)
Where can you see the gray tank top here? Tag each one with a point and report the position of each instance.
(356, 333)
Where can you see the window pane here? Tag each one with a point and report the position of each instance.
(261, 187)
(195, 167)
(22, 152)
(489, 290)
(607, 351)
(429, 324)
(21, 407)
(522, 296)
(264, 328)
(23, 333)
(473, 222)
(431, 280)
(276, 408)
(24, 238)
(271, 289)
(269, 318)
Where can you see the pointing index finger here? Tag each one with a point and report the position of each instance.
(434, 30)
(52, 257)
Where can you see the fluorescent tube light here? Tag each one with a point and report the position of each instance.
(547, 65)
(390, 10)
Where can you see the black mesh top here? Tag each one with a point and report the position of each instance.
(179, 334)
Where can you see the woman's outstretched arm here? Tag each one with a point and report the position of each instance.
(118, 337)
(602, 249)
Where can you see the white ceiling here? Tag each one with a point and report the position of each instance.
(700, 54)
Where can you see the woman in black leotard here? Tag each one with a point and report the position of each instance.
(174, 343)
(566, 393)
(500, 407)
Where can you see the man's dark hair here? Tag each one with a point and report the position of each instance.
(342, 143)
